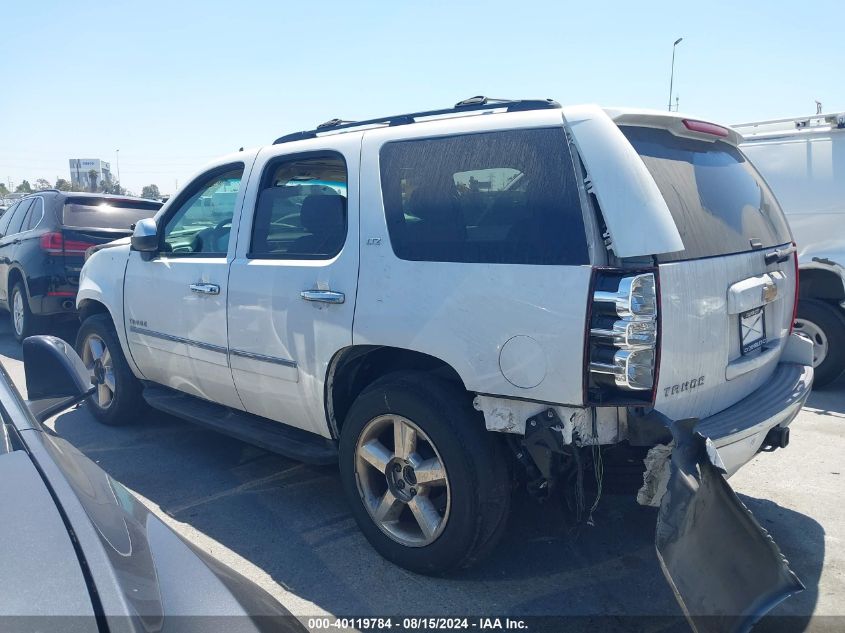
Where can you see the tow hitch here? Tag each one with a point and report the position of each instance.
(724, 568)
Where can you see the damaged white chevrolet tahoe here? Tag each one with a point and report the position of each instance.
(449, 301)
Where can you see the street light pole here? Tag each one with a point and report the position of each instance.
(117, 152)
(672, 75)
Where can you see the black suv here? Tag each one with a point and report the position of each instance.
(43, 239)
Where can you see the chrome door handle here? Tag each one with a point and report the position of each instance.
(205, 289)
(323, 296)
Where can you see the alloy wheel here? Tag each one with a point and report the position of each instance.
(18, 314)
(98, 359)
(402, 480)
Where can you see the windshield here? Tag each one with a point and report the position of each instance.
(719, 202)
(106, 213)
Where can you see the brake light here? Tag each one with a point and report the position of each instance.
(705, 128)
(52, 243)
(797, 287)
(622, 337)
(56, 244)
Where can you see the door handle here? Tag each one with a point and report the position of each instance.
(205, 289)
(323, 296)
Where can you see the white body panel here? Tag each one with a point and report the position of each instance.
(700, 333)
(178, 337)
(281, 345)
(464, 313)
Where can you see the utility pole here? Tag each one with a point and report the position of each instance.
(672, 75)
(117, 152)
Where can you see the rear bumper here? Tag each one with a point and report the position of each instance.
(738, 431)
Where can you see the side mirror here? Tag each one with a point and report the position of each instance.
(56, 378)
(145, 236)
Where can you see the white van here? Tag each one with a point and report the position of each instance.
(803, 160)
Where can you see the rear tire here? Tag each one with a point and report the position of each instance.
(429, 528)
(824, 324)
(24, 322)
(117, 400)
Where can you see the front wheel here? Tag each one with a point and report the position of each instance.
(117, 399)
(824, 324)
(428, 485)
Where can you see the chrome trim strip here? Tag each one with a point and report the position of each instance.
(266, 359)
(177, 339)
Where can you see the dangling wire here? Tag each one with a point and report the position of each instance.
(598, 470)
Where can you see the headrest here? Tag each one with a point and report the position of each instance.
(432, 203)
(322, 213)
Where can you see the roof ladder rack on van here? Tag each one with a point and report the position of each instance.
(473, 104)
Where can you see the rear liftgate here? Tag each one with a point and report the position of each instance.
(724, 568)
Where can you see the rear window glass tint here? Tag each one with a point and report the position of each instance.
(500, 197)
(718, 200)
(93, 213)
(20, 215)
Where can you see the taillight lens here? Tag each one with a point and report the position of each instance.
(52, 243)
(56, 244)
(622, 337)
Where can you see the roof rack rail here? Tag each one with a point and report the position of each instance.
(473, 104)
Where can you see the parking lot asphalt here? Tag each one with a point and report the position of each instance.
(286, 525)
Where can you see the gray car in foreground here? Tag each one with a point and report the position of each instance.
(79, 552)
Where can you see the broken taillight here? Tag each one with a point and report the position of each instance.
(622, 337)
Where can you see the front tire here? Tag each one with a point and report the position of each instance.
(429, 486)
(824, 324)
(117, 399)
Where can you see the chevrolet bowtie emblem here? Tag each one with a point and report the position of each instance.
(770, 292)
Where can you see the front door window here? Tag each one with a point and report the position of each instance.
(202, 224)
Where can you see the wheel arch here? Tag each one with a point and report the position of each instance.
(820, 283)
(16, 274)
(90, 307)
(353, 368)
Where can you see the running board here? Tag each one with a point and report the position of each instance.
(276, 437)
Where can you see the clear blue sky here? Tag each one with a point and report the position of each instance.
(174, 84)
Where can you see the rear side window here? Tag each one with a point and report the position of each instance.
(7, 217)
(33, 218)
(501, 197)
(719, 202)
(19, 216)
(106, 213)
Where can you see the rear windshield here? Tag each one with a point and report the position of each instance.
(719, 202)
(106, 213)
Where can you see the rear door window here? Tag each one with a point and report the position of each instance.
(719, 202)
(106, 213)
(20, 215)
(506, 197)
(7, 217)
(301, 209)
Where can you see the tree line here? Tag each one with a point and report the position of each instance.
(149, 191)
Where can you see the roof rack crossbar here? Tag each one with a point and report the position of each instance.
(472, 104)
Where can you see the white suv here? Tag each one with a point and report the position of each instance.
(450, 300)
